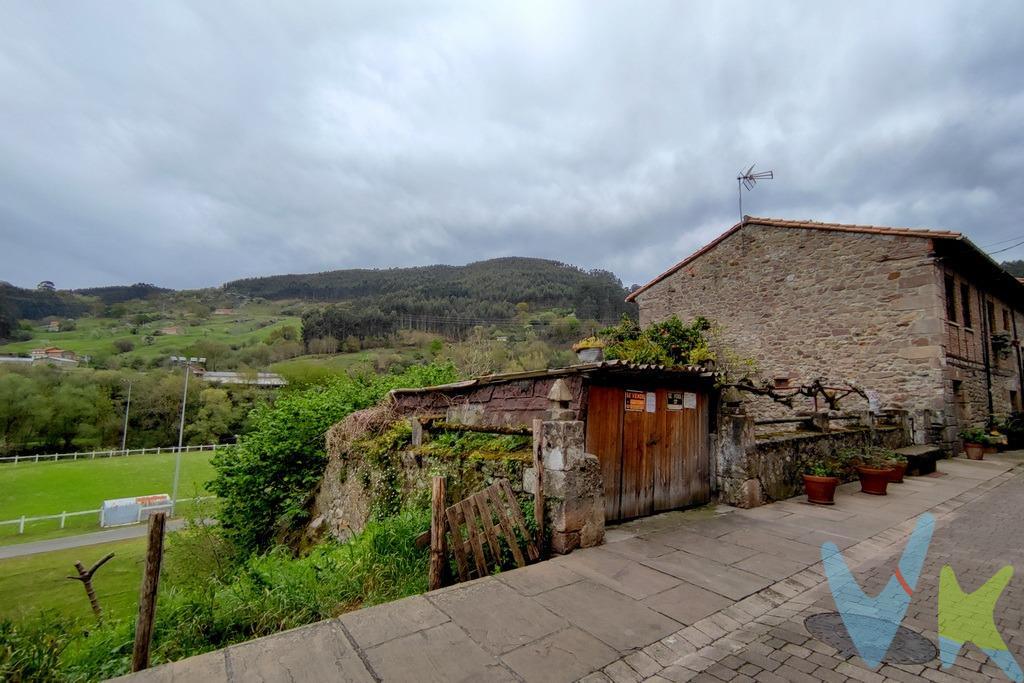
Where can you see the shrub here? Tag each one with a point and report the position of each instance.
(669, 342)
(123, 345)
(975, 435)
(266, 482)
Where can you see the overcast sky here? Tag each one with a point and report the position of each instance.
(190, 143)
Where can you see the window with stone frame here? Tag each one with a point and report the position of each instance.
(990, 308)
(1006, 320)
(950, 299)
(965, 303)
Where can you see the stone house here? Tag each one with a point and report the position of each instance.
(922, 318)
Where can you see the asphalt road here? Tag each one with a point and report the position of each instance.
(66, 542)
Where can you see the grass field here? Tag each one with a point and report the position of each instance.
(37, 489)
(95, 336)
(315, 369)
(34, 583)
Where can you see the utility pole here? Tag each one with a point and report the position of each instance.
(127, 405)
(181, 426)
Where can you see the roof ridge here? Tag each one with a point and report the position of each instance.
(858, 227)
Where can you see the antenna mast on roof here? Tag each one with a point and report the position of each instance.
(748, 179)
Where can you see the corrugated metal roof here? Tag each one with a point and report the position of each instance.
(578, 369)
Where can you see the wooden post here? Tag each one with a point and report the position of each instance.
(86, 578)
(538, 485)
(147, 593)
(438, 545)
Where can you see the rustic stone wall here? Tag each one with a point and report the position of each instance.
(573, 487)
(967, 380)
(507, 404)
(351, 482)
(752, 472)
(807, 303)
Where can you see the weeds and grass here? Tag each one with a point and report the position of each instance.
(35, 583)
(39, 489)
(206, 602)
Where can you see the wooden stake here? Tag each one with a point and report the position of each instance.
(86, 578)
(538, 485)
(438, 545)
(147, 593)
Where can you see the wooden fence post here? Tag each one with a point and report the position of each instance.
(147, 593)
(538, 485)
(438, 546)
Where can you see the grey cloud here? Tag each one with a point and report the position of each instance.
(191, 143)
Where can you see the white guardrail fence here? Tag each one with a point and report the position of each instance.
(143, 512)
(92, 455)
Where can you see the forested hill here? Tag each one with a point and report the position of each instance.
(1014, 268)
(485, 289)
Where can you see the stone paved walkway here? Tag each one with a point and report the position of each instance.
(701, 595)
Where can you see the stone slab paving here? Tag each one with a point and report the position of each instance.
(707, 595)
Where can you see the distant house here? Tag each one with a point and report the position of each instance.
(54, 356)
(223, 311)
(53, 326)
(259, 379)
(171, 330)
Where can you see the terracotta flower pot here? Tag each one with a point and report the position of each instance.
(821, 490)
(874, 481)
(898, 470)
(974, 451)
(989, 450)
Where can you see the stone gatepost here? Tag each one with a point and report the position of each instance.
(573, 486)
(736, 443)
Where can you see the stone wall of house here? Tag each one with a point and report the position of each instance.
(506, 404)
(753, 471)
(807, 303)
(971, 383)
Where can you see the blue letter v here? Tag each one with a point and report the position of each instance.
(872, 622)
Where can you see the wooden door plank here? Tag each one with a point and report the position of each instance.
(661, 456)
(632, 463)
(675, 429)
(604, 439)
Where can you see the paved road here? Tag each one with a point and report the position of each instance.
(675, 597)
(66, 542)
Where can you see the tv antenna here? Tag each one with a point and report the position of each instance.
(748, 179)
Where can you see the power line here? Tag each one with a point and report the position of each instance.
(1007, 249)
(1008, 239)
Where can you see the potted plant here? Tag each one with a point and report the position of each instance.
(898, 463)
(873, 470)
(589, 350)
(820, 482)
(975, 440)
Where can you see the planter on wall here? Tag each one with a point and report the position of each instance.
(898, 470)
(874, 481)
(974, 451)
(820, 490)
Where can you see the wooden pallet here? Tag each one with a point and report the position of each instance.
(476, 525)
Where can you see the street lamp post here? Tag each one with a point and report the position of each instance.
(187, 362)
(127, 405)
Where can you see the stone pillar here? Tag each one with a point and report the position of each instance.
(573, 486)
(736, 443)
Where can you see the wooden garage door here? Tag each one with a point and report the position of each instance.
(654, 457)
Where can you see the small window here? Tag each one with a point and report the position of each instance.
(1006, 320)
(965, 304)
(950, 299)
(1014, 401)
(990, 308)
